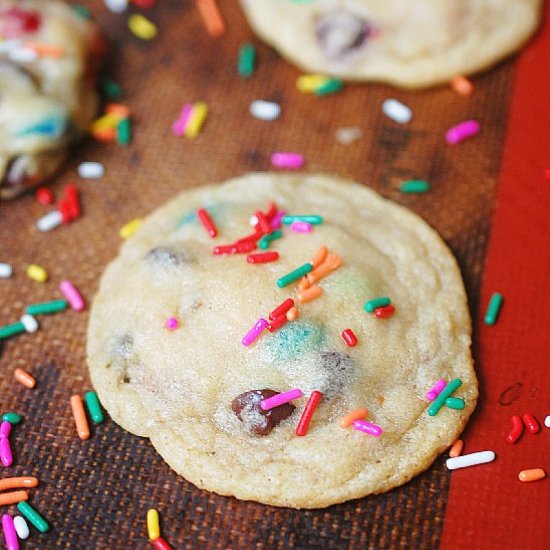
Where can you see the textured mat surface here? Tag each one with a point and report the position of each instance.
(96, 493)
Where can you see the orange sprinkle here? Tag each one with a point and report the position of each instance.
(117, 109)
(533, 474)
(80, 417)
(13, 498)
(309, 294)
(456, 448)
(292, 313)
(319, 256)
(332, 262)
(13, 482)
(356, 414)
(46, 50)
(24, 378)
(104, 134)
(304, 283)
(211, 16)
(462, 85)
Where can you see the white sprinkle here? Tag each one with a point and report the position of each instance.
(345, 136)
(253, 221)
(472, 459)
(49, 221)
(265, 110)
(30, 323)
(547, 421)
(397, 111)
(91, 170)
(21, 527)
(22, 55)
(116, 6)
(5, 271)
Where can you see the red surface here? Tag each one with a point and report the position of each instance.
(488, 506)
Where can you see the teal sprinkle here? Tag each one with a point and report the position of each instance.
(82, 11)
(247, 55)
(265, 241)
(111, 88)
(331, 86)
(53, 127)
(293, 339)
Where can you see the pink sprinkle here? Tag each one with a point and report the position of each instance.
(287, 160)
(280, 399)
(301, 227)
(436, 390)
(367, 427)
(5, 452)
(172, 323)
(462, 131)
(254, 332)
(72, 295)
(10, 534)
(179, 126)
(5, 429)
(277, 220)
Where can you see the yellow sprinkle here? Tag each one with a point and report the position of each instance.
(142, 27)
(37, 273)
(196, 120)
(106, 121)
(128, 229)
(308, 83)
(153, 527)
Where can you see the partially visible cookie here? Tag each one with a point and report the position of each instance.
(408, 43)
(166, 356)
(48, 57)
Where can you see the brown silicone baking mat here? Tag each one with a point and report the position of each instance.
(95, 493)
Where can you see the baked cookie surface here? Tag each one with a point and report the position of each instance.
(179, 386)
(48, 55)
(408, 43)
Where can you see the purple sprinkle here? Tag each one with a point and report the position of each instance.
(254, 332)
(172, 323)
(301, 227)
(179, 126)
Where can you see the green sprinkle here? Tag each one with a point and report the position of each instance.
(82, 11)
(294, 275)
(371, 305)
(494, 309)
(313, 220)
(439, 401)
(12, 418)
(415, 186)
(111, 88)
(247, 55)
(11, 330)
(123, 130)
(330, 87)
(33, 516)
(45, 308)
(265, 241)
(455, 403)
(94, 408)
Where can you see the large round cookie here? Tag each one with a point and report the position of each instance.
(177, 386)
(409, 43)
(48, 56)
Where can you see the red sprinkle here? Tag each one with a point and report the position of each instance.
(516, 431)
(243, 248)
(63, 206)
(384, 312)
(14, 22)
(349, 338)
(144, 3)
(271, 211)
(73, 200)
(277, 323)
(252, 238)
(207, 222)
(282, 309)
(225, 249)
(161, 544)
(531, 422)
(262, 257)
(44, 195)
(263, 222)
(309, 409)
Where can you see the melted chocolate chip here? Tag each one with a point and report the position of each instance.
(341, 33)
(168, 256)
(259, 422)
(340, 368)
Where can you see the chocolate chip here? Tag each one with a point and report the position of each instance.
(167, 256)
(257, 421)
(340, 33)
